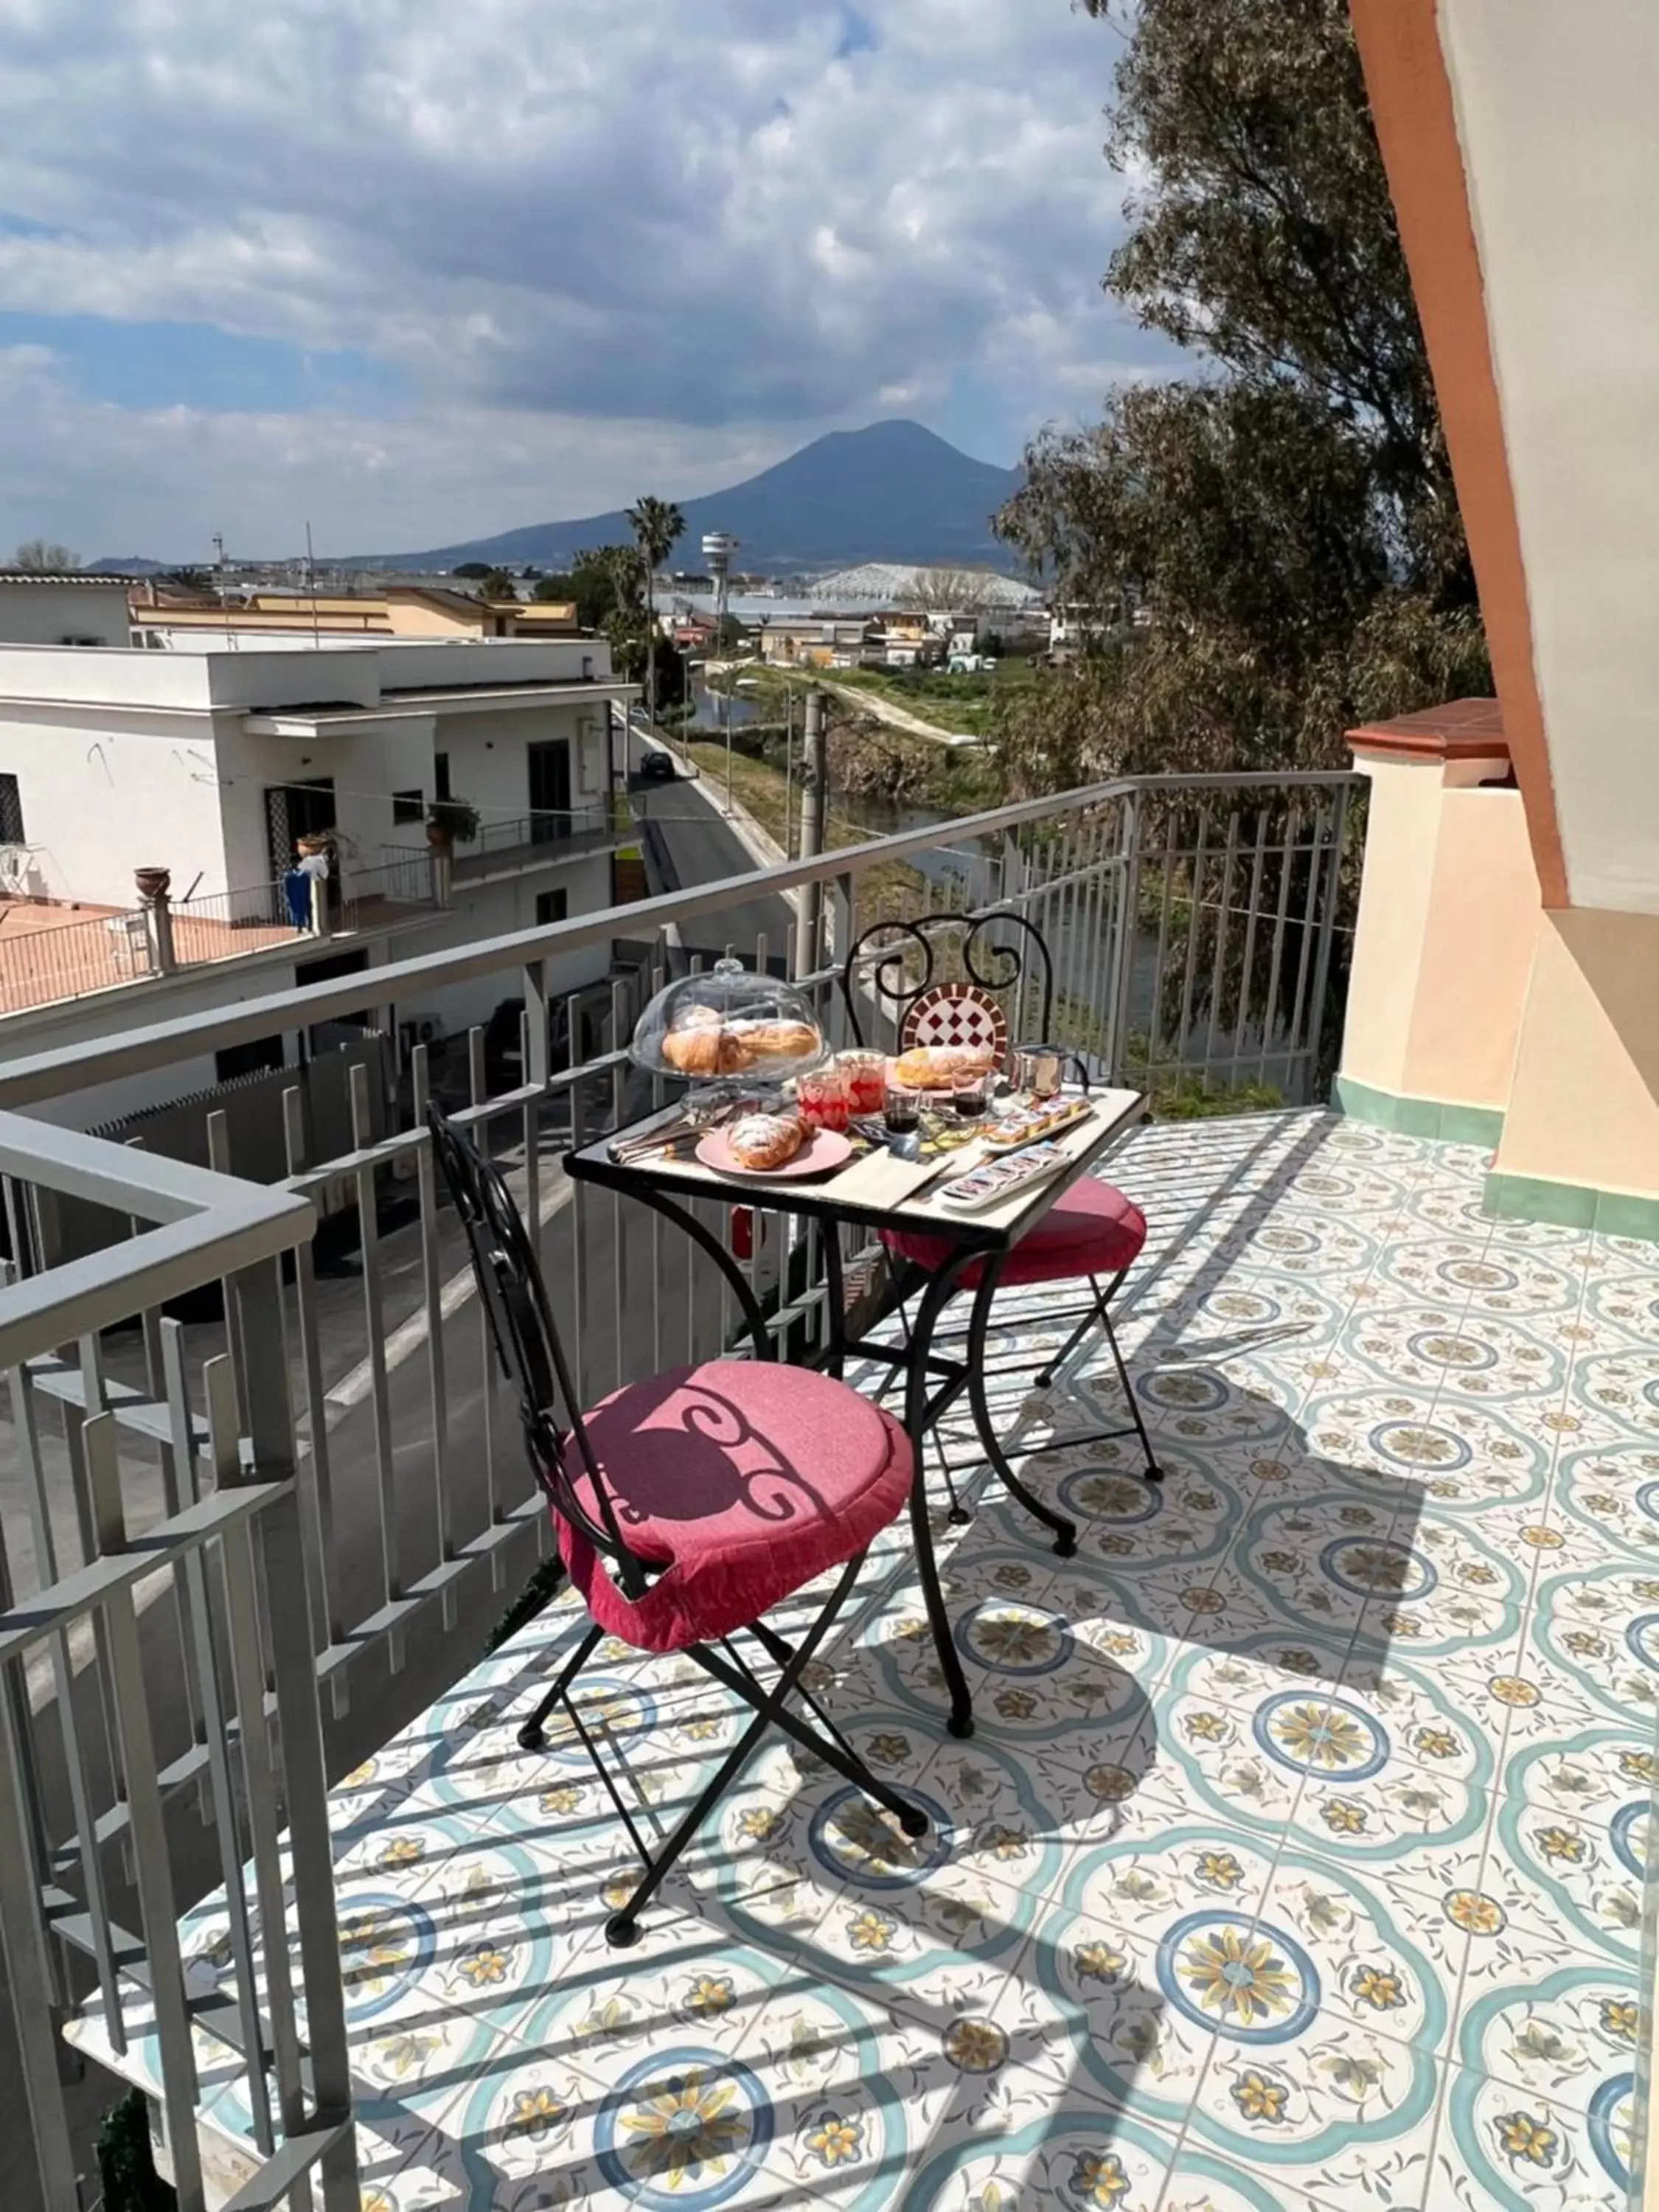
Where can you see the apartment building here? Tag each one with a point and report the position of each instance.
(217, 762)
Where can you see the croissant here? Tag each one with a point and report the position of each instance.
(937, 1066)
(778, 1040)
(706, 1048)
(766, 1141)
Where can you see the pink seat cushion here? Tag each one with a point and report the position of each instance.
(1093, 1230)
(744, 1479)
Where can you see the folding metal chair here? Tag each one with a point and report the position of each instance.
(686, 1507)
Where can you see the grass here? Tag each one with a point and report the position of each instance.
(962, 705)
(759, 789)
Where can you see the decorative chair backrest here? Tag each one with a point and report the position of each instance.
(528, 1343)
(1006, 968)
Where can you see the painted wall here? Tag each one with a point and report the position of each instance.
(487, 760)
(496, 910)
(52, 614)
(1554, 111)
(1585, 1104)
(1443, 943)
(98, 800)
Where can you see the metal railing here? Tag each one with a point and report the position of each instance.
(522, 838)
(224, 925)
(40, 965)
(1199, 931)
(83, 1765)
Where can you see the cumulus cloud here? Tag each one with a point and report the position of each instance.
(580, 232)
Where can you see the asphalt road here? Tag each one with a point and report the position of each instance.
(701, 847)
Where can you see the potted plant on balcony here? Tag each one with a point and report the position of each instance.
(451, 822)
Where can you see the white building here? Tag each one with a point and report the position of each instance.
(211, 761)
(72, 609)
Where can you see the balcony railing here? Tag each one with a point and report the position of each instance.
(525, 840)
(334, 1439)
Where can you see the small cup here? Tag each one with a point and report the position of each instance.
(1038, 1072)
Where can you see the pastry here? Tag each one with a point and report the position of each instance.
(779, 1040)
(705, 1047)
(940, 1066)
(766, 1141)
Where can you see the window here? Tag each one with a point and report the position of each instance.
(551, 906)
(80, 641)
(11, 813)
(408, 806)
(441, 774)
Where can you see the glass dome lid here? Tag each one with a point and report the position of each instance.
(728, 1025)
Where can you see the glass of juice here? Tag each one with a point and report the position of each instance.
(864, 1075)
(822, 1098)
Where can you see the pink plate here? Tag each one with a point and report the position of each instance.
(825, 1149)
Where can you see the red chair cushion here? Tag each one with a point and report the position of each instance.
(1093, 1230)
(745, 1479)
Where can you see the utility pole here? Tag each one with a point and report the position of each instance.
(814, 814)
(788, 770)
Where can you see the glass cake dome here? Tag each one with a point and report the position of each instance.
(729, 1025)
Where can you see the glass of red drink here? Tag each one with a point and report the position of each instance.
(863, 1075)
(822, 1100)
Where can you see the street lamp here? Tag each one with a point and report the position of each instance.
(718, 547)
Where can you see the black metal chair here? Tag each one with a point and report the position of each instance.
(685, 1507)
(1093, 1235)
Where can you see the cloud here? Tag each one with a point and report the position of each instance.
(640, 235)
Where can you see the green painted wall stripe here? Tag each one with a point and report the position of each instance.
(1505, 1197)
(1438, 1118)
(1574, 1204)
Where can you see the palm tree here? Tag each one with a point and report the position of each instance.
(658, 526)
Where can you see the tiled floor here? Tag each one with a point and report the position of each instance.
(1297, 1862)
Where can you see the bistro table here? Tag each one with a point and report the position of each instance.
(880, 1190)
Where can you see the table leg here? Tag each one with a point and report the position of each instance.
(835, 1291)
(937, 1296)
(683, 1218)
(1064, 1531)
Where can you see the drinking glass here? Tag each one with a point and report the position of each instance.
(864, 1075)
(822, 1098)
(901, 1109)
(971, 1097)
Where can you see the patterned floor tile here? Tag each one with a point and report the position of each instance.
(1529, 2152)
(1296, 1864)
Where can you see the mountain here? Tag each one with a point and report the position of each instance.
(892, 492)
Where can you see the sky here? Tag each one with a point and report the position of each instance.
(417, 271)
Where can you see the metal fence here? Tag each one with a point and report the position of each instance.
(1198, 929)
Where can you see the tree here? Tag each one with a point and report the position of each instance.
(1270, 549)
(42, 557)
(657, 526)
(189, 579)
(474, 571)
(497, 584)
(953, 591)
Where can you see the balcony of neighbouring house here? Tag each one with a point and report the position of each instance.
(1299, 1849)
